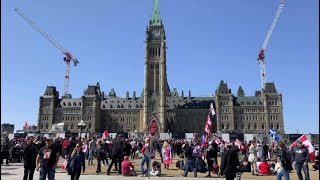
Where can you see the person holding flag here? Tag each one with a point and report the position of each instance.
(300, 158)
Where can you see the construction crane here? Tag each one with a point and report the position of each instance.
(265, 43)
(68, 56)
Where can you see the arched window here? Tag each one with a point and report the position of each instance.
(111, 106)
(103, 106)
(47, 126)
(249, 126)
(228, 126)
(222, 126)
(79, 103)
(278, 126)
(122, 106)
(69, 103)
(255, 126)
(74, 104)
(67, 126)
(129, 106)
(89, 125)
(64, 104)
(276, 117)
(242, 126)
(118, 106)
(262, 126)
(272, 126)
(137, 106)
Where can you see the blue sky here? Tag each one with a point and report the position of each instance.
(207, 40)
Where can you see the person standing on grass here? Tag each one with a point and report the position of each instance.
(166, 154)
(146, 156)
(116, 155)
(300, 158)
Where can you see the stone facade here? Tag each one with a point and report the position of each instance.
(174, 112)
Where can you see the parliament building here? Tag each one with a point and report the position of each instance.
(175, 112)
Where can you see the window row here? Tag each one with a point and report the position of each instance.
(46, 104)
(154, 52)
(69, 104)
(122, 106)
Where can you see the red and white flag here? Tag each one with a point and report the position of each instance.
(209, 122)
(217, 140)
(212, 109)
(306, 144)
(105, 134)
(238, 143)
(194, 137)
(207, 128)
(26, 125)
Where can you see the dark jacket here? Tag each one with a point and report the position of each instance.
(77, 161)
(30, 156)
(117, 148)
(72, 144)
(300, 154)
(229, 162)
(285, 159)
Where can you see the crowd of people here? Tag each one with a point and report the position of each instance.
(43, 154)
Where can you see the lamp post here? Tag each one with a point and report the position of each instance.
(82, 126)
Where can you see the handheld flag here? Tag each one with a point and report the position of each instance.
(105, 134)
(212, 109)
(306, 144)
(274, 134)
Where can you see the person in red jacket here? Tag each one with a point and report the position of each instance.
(127, 167)
(264, 167)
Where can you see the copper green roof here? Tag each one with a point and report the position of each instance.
(155, 18)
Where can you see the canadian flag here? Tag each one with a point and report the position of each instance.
(194, 137)
(238, 143)
(217, 140)
(306, 144)
(26, 125)
(105, 134)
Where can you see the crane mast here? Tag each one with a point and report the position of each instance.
(68, 56)
(261, 55)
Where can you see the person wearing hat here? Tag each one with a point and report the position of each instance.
(47, 160)
(300, 158)
(29, 159)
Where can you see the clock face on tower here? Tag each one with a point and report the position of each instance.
(156, 33)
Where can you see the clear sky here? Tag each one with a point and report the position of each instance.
(207, 40)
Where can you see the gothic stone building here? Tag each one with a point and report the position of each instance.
(174, 112)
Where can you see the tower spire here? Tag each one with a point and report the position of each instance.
(155, 18)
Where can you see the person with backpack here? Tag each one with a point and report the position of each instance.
(77, 162)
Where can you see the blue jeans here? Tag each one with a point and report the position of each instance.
(145, 159)
(47, 171)
(190, 165)
(283, 173)
(305, 168)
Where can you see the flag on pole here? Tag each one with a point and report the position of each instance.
(274, 134)
(26, 125)
(238, 143)
(105, 134)
(212, 109)
(306, 144)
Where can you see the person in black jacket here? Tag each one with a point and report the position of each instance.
(285, 162)
(29, 159)
(71, 145)
(229, 163)
(210, 158)
(116, 154)
(77, 162)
